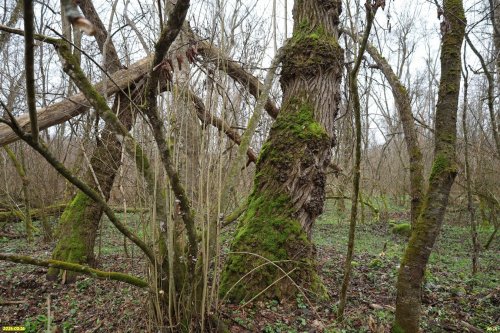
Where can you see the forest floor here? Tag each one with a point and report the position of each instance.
(453, 298)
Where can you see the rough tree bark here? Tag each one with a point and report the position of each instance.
(289, 186)
(444, 170)
(78, 225)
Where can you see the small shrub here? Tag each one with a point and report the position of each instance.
(401, 229)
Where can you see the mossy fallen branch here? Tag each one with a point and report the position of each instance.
(55, 211)
(36, 214)
(235, 214)
(95, 273)
(77, 104)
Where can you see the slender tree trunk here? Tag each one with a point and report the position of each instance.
(356, 194)
(289, 186)
(444, 170)
(468, 179)
(492, 237)
(495, 18)
(14, 17)
(21, 171)
(496, 41)
(403, 105)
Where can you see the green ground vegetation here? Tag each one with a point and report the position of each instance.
(451, 293)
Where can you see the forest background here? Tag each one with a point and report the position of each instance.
(179, 165)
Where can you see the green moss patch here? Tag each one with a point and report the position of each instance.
(310, 50)
(401, 229)
(266, 238)
(73, 244)
(269, 234)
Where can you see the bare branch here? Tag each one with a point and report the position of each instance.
(214, 55)
(29, 62)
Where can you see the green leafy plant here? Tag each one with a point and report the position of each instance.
(300, 302)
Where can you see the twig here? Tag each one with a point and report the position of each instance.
(4, 303)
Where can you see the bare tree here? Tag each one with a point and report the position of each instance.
(444, 170)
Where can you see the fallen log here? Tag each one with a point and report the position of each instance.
(16, 215)
(36, 214)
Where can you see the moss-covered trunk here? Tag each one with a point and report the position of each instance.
(496, 36)
(289, 186)
(444, 170)
(496, 41)
(78, 226)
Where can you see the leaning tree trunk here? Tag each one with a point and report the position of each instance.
(403, 106)
(496, 35)
(496, 41)
(78, 225)
(444, 170)
(289, 186)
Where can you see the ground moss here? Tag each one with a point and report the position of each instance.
(310, 49)
(397, 329)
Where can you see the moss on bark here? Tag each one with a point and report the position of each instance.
(270, 235)
(80, 221)
(444, 170)
(74, 236)
(289, 185)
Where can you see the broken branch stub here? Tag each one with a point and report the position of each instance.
(76, 18)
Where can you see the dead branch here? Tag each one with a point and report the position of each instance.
(77, 104)
(75, 268)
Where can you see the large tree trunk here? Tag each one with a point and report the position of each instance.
(289, 186)
(444, 170)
